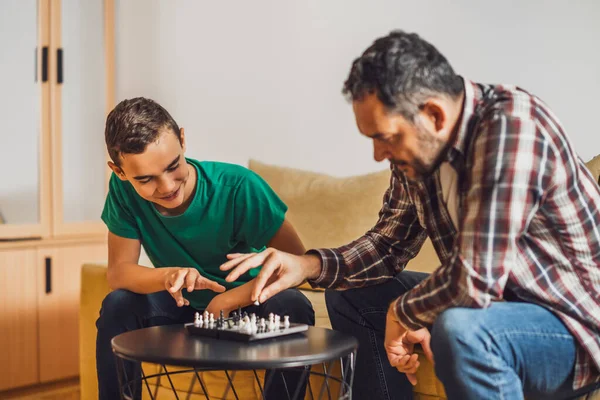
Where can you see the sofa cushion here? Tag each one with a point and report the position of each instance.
(594, 167)
(326, 211)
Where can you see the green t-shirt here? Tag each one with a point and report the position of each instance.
(233, 211)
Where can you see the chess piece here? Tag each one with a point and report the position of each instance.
(256, 303)
(286, 321)
(197, 319)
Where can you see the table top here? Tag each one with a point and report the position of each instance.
(173, 345)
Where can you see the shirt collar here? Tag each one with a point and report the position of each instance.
(472, 101)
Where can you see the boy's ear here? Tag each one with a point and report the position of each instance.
(182, 138)
(118, 171)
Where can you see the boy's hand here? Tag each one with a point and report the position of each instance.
(223, 302)
(190, 279)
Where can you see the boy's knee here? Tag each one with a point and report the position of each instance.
(294, 303)
(116, 305)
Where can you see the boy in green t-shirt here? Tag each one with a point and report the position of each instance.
(188, 215)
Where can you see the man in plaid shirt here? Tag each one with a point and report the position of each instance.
(488, 173)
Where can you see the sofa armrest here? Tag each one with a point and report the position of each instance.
(94, 288)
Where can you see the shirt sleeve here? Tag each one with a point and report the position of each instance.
(383, 251)
(116, 215)
(510, 169)
(259, 212)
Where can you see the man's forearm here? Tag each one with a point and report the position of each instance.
(137, 278)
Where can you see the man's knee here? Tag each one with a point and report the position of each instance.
(294, 303)
(457, 333)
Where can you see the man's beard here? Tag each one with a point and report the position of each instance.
(431, 153)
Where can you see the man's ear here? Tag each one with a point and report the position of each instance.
(435, 114)
(182, 138)
(117, 170)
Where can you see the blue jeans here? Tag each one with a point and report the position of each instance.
(124, 311)
(501, 352)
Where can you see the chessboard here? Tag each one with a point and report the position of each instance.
(242, 327)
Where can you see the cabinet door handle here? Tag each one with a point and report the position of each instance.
(48, 274)
(59, 66)
(45, 64)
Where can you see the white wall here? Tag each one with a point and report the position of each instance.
(262, 79)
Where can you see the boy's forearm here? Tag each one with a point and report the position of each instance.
(137, 278)
(240, 296)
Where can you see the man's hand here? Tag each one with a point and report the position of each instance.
(190, 279)
(279, 271)
(399, 345)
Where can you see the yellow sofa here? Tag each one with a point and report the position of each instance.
(327, 212)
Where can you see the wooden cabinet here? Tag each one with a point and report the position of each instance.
(57, 87)
(18, 318)
(39, 308)
(58, 280)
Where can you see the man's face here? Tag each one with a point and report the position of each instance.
(414, 148)
(160, 174)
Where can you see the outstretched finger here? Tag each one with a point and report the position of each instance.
(204, 283)
(277, 283)
(254, 261)
(267, 270)
(235, 255)
(234, 260)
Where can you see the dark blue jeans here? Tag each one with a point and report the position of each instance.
(500, 352)
(124, 311)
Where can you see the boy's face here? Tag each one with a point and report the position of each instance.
(160, 174)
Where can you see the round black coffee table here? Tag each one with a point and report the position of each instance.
(172, 345)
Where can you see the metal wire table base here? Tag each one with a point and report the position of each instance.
(132, 387)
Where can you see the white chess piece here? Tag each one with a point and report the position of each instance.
(286, 321)
(197, 319)
(256, 303)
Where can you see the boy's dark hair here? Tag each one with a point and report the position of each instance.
(135, 123)
(403, 70)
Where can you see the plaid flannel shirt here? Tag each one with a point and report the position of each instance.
(529, 224)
